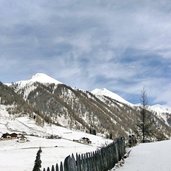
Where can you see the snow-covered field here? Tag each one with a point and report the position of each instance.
(15, 156)
(149, 157)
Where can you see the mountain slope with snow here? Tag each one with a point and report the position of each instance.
(163, 112)
(53, 150)
(160, 108)
(25, 87)
(106, 92)
(102, 110)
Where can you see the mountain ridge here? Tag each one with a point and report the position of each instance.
(76, 109)
(108, 93)
(46, 79)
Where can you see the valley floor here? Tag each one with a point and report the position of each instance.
(149, 157)
(20, 156)
(16, 156)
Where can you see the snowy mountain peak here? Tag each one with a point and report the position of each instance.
(43, 78)
(106, 92)
(39, 77)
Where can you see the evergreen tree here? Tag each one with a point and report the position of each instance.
(37, 164)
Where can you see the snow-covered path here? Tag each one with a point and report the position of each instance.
(149, 157)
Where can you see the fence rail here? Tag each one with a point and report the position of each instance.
(103, 159)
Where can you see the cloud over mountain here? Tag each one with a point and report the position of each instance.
(120, 45)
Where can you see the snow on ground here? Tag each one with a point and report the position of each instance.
(15, 156)
(149, 157)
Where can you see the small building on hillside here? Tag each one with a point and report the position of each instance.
(85, 140)
(19, 137)
(22, 139)
(6, 136)
(9, 136)
(14, 135)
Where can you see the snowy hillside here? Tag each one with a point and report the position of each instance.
(160, 108)
(102, 110)
(163, 112)
(53, 150)
(105, 92)
(27, 86)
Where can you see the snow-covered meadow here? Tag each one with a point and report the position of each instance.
(15, 156)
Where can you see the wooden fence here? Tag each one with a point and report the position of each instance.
(103, 159)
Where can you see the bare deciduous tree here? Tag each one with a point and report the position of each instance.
(146, 118)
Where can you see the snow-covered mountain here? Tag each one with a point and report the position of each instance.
(39, 77)
(102, 110)
(25, 87)
(162, 111)
(160, 108)
(106, 92)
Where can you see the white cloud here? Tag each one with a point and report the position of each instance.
(112, 44)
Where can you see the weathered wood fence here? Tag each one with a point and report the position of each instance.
(103, 159)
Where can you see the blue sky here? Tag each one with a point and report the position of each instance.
(120, 45)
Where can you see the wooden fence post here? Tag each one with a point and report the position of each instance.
(78, 162)
(70, 164)
(84, 163)
(61, 167)
(53, 168)
(57, 168)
